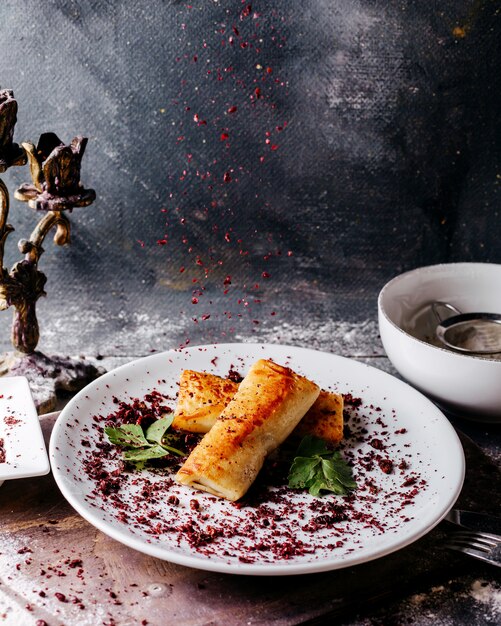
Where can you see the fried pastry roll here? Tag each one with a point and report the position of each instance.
(324, 419)
(268, 405)
(202, 398)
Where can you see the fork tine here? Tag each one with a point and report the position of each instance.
(477, 554)
(470, 551)
(469, 543)
(481, 541)
(488, 537)
(465, 549)
(470, 536)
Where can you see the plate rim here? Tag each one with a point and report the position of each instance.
(255, 569)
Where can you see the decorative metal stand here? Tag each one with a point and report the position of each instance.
(55, 187)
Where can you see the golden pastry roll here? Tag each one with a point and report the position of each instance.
(203, 396)
(324, 419)
(267, 406)
(201, 400)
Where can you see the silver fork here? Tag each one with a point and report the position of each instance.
(479, 545)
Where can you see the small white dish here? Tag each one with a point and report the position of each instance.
(22, 440)
(467, 385)
(387, 512)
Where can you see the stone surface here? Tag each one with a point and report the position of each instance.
(49, 376)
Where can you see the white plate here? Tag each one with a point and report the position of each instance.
(25, 453)
(384, 514)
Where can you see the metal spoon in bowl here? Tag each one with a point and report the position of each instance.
(469, 333)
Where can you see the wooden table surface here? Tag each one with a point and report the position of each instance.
(55, 568)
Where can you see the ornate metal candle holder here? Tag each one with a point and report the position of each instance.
(55, 187)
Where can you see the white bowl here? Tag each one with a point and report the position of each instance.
(469, 386)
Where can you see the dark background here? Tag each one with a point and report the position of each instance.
(372, 146)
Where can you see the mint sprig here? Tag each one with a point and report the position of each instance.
(128, 435)
(140, 446)
(317, 468)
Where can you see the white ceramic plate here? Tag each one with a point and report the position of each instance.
(20, 432)
(294, 532)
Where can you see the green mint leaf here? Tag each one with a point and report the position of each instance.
(321, 470)
(302, 472)
(157, 433)
(145, 454)
(311, 446)
(128, 436)
(157, 430)
(315, 487)
(140, 446)
(339, 470)
(173, 450)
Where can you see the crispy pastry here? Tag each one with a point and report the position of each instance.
(267, 406)
(324, 419)
(202, 398)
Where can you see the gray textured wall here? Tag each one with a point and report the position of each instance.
(390, 158)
